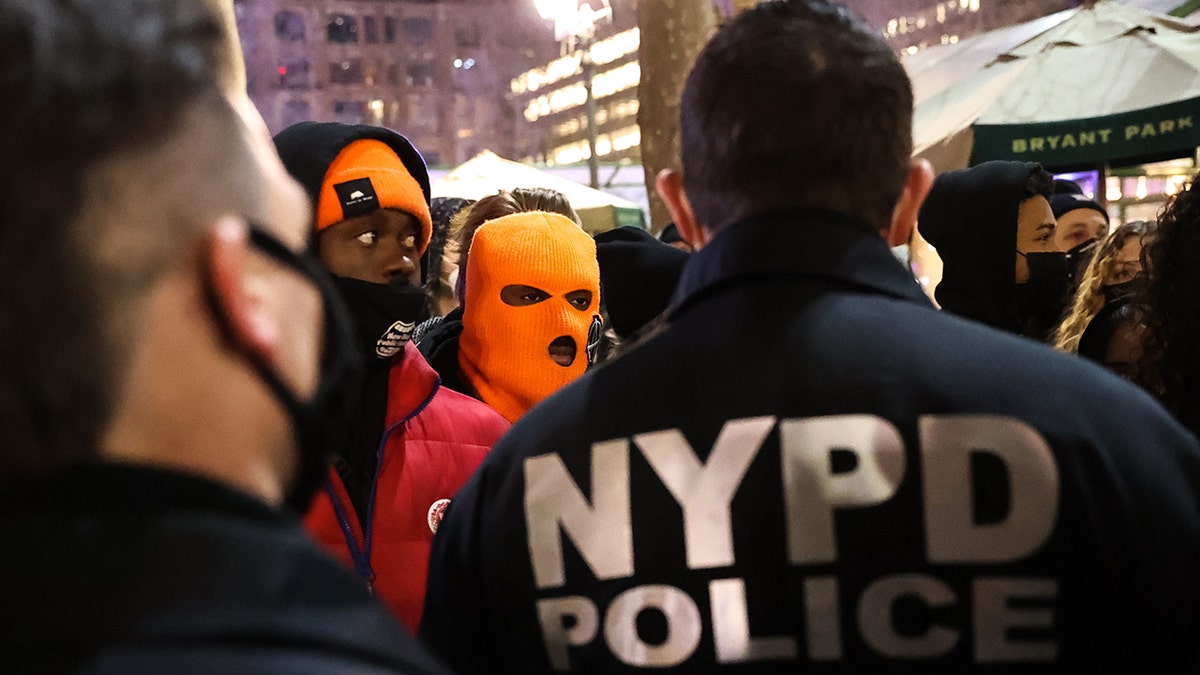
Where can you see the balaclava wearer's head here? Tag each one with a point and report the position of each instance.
(504, 349)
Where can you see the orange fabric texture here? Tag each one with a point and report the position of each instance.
(394, 185)
(503, 350)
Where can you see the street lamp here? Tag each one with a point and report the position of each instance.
(575, 24)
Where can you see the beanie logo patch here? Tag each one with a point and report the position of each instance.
(358, 197)
(393, 339)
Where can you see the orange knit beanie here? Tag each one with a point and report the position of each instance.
(366, 176)
(504, 351)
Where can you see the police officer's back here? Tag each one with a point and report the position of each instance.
(810, 468)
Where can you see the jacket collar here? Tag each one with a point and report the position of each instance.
(803, 243)
(412, 382)
(105, 488)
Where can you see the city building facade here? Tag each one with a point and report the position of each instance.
(550, 98)
(437, 72)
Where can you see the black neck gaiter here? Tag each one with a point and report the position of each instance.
(384, 316)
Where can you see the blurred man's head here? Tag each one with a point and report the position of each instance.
(134, 302)
(793, 104)
(1080, 221)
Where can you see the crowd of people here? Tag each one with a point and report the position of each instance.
(253, 424)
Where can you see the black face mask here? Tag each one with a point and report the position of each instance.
(1117, 291)
(318, 423)
(384, 315)
(1042, 299)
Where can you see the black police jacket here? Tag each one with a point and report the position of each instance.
(131, 571)
(812, 469)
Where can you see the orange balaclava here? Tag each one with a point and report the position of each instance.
(505, 350)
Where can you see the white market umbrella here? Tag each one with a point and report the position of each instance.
(487, 173)
(1094, 85)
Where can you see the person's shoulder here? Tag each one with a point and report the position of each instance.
(438, 335)
(460, 402)
(460, 414)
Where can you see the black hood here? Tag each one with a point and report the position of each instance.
(970, 216)
(308, 148)
(638, 276)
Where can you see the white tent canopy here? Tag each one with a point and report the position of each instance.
(1058, 77)
(487, 173)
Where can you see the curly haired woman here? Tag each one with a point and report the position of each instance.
(1170, 308)
(1108, 276)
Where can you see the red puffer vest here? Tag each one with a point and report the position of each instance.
(432, 441)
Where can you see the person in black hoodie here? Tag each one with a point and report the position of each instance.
(170, 363)
(412, 441)
(994, 230)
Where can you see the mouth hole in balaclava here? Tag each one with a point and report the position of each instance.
(562, 350)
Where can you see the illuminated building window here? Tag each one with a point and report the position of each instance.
(602, 52)
(294, 75)
(420, 73)
(289, 27)
(621, 78)
(342, 29)
(349, 71)
(606, 144)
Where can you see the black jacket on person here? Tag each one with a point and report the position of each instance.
(994, 503)
(439, 346)
(127, 570)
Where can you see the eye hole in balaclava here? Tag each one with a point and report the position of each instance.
(562, 349)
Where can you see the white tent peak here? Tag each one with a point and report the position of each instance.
(487, 173)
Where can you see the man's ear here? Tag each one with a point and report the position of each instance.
(904, 216)
(669, 184)
(234, 291)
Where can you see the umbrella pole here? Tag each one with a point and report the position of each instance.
(1101, 195)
